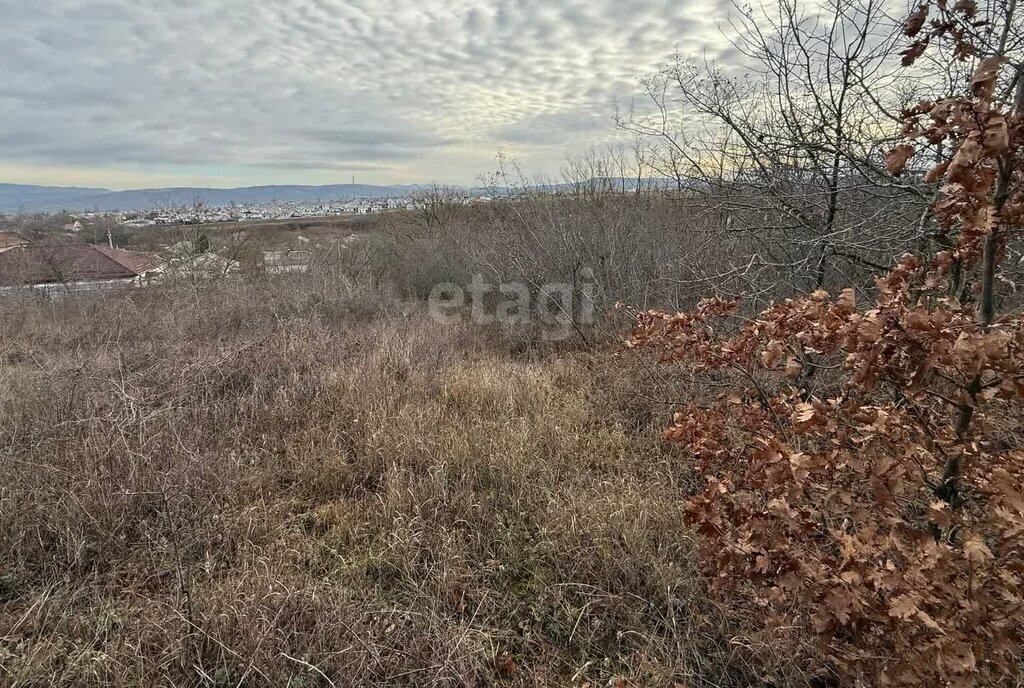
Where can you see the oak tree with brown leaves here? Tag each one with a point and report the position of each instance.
(881, 512)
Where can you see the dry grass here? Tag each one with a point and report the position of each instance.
(267, 484)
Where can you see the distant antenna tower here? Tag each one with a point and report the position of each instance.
(353, 180)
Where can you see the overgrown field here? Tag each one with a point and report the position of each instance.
(777, 440)
(277, 483)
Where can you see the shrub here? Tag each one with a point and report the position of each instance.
(879, 511)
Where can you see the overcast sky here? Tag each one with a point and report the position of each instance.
(131, 93)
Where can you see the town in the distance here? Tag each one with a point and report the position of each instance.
(68, 239)
(200, 213)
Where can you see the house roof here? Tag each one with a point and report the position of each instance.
(138, 263)
(62, 261)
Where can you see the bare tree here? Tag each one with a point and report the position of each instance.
(791, 151)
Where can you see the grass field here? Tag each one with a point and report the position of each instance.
(270, 483)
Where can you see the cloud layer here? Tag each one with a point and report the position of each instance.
(391, 91)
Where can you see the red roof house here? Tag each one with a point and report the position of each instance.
(70, 261)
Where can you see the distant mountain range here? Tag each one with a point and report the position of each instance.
(22, 198)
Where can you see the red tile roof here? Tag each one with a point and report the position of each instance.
(138, 263)
(64, 261)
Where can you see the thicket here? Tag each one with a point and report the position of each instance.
(865, 477)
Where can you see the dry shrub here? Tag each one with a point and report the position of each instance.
(881, 517)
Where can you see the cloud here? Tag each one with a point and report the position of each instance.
(405, 91)
(550, 129)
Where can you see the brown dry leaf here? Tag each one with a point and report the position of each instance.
(968, 8)
(918, 319)
(983, 83)
(940, 514)
(839, 603)
(772, 353)
(915, 22)
(977, 551)
(799, 463)
(936, 173)
(997, 136)
(794, 368)
(966, 156)
(804, 413)
(898, 158)
(904, 606)
(943, 260)
(929, 621)
(996, 345)
(911, 54)
(870, 328)
(960, 658)
(847, 301)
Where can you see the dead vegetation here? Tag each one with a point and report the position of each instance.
(304, 480)
(271, 485)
